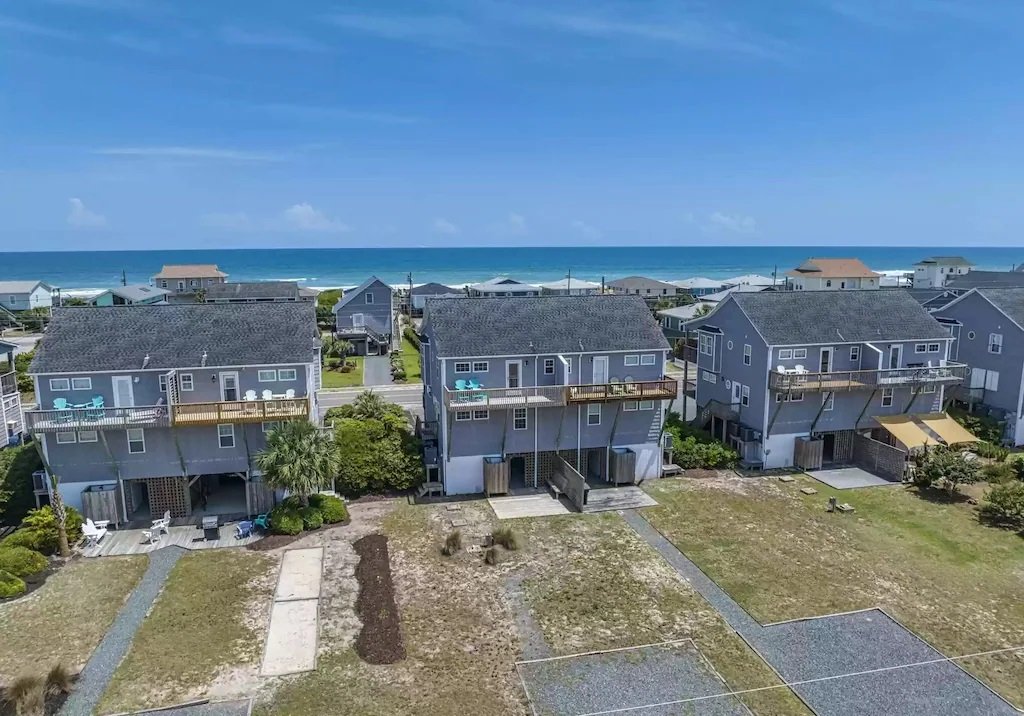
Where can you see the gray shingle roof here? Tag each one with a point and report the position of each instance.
(101, 338)
(137, 291)
(1008, 300)
(800, 317)
(21, 286)
(352, 293)
(434, 289)
(990, 279)
(552, 324)
(243, 290)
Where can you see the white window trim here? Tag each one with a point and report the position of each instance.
(462, 416)
(221, 436)
(799, 353)
(995, 340)
(481, 414)
(854, 353)
(631, 405)
(486, 366)
(631, 360)
(648, 359)
(283, 373)
(748, 352)
(189, 379)
(265, 372)
(646, 405)
(466, 363)
(708, 377)
(55, 384)
(745, 395)
(162, 382)
(94, 436)
(369, 298)
(887, 397)
(70, 437)
(829, 399)
(593, 411)
(142, 439)
(88, 384)
(785, 354)
(549, 366)
(708, 340)
(920, 348)
(928, 388)
(525, 418)
(934, 348)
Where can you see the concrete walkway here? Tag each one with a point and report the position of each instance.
(294, 617)
(376, 370)
(93, 680)
(862, 662)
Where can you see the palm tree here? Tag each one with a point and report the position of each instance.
(369, 406)
(299, 458)
(702, 310)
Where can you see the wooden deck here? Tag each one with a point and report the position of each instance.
(118, 542)
(239, 411)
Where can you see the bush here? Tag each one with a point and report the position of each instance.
(412, 336)
(332, 508)
(21, 561)
(1004, 504)
(39, 529)
(311, 518)
(697, 449)
(992, 452)
(10, 585)
(506, 538)
(16, 467)
(59, 680)
(285, 520)
(452, 543)
(999, 472)
(982, 427)
(947, 469)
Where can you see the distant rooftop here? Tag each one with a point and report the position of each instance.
(243, 290)
(503, 283)
(987, 279)
(136, 291)
(435, 289)
(575, 284)
(698, 282)
(175, 271)
(22, 286)
(833, 268)
(750, 279)
(944, 261)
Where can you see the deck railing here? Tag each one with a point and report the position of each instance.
(239, 411)
(662, 389)
(8, 383)
(559, 395)
(870, 379)
(70, 419)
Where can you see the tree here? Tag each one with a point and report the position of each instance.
(946, 469)
(60, 514)
(1004, 504)
(299, 458)
(74, 301)
(16, 497)
(702, 310)
(374, 456)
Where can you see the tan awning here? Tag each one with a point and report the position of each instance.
(951, 432)
(906, 431)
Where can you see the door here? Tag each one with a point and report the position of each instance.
(513, 373)
(229, 387)
(358, 320)
(737, 392)
(895, 356)
(825, 362)
(124, 393)
(600, 369)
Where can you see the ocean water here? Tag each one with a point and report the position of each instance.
(94, 270)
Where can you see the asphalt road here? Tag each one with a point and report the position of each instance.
(409, 396)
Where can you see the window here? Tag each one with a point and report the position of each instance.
(594, 414)
(646, 405)
(162, 378)
(136, 441)
(785, 353)
(185, 379)
(648, 359)
(632, 360)
(799, 353)
(745, 395)
(995, 342)
(462, 367)
(568, 366)
(796, 397)
(630, 405)
(60, 384)
(707, 344)
(481, 414)
(64, 438)
(369, 298)
(828, 283)
(933, 347)
(193, 282)
(163, 283)
(854, 353)
(480, 366)
(708, 376)
(519, 419)
(549, 366)
(461, 415)
(81, 384)
(226, 435)
(928, 388)
(287, 374)
(829, 400)
(920, 348)
(746, 353)
(266, 376)
(87, 436)
(886, 397)
(271, 425)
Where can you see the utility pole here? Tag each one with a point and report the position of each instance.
(568, 283)
(602, 285)
(124, 278)
(408, 300)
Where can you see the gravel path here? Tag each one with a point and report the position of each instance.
(104, 661)
(833, 652)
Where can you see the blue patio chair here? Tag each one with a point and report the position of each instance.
(64, 413)
(243, 529)
(473, 384)
(263, 522)
(94, 410)
(461, 385)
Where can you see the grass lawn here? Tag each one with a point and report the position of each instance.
(411, 361)
(205, 632)
(337, 379)
(64, 620)
(590, 582)
(929, 563)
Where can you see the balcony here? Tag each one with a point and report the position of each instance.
(946, 374)
(662, 389)
(71, 419)
(8, 383)
(239, 411)
(486, 398)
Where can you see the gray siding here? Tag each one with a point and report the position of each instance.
(377, 315)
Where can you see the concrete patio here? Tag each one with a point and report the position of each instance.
(118, 542)
(848, 478)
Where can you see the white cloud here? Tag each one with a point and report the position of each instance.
(271, 40)
(188, 153)
(82, 218)
(232, 221)
(734, 223)
(586, 230)
(303, 217)
(443, 226)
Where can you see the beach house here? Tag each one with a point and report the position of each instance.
(184, 281)
(25, 295)
(987, 325)
(935, 271)
(531, 387)
(570, 287)
(139, 294)
(11, 424)
(420, 294)
(643, 286)
(959, 285)
(503, 286)
(150, 409)
(698, 286)
(259, 292)
(365, 316)
(812, 378)
(826, 274)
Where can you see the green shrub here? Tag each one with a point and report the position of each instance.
(332, 508)
(999, 472)
(992, 452)
(311, 518)
(16, 467)
(41, 526)
(21, 561)
(10, 585)
(506, 538)
(285, 520)
(412, 336)
(981, 426)
(947, 469)
(1004, 504)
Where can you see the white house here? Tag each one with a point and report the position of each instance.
(25, 295)
(934, 271)
(817, 274)
(570, 287)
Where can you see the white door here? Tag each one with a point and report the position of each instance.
(513, 373)
(895, 356)
(229, 386)
(737, 389)
(825, 363)
(124, 393)
(358, 320)
(600, 369)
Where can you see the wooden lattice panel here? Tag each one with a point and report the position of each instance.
(169, 494)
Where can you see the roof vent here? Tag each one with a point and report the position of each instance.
(203, 362)
(145, 361)
(581, 345)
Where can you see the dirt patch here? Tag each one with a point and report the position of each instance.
(380, 640)
(278, 541)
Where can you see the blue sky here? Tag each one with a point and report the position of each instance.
(174, 124)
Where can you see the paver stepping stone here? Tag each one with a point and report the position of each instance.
(292, 638)
(300, 575)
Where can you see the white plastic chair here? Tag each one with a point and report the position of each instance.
(267, 395)
(250, 395)
(290, 393)
(162, 524)
(93, 534)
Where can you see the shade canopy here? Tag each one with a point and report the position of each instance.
(906, 431)
(951, 432)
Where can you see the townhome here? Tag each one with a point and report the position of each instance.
(698, 286)
(935, 271)
(184, 281)
(815, 377)
(365, 316)
(162, 408)
(503, 286)
(10, 399)
(642, 286)
(988, 330)
(25, 295)
(140, 294)
(826, 274)
(570, 287)
(258, 292)
(959, 285)
(538, 385)
(419, 295)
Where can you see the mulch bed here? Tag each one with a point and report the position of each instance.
(277, 541)
(380, 639)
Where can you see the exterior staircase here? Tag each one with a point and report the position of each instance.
(429, 488)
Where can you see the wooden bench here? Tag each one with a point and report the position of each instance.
(556, 491)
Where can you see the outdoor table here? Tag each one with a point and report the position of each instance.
(210, 528)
